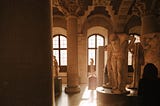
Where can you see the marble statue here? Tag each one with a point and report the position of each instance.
(55, 67)
(92, 76)
(92, 70)
(117, 51)
(138, 61)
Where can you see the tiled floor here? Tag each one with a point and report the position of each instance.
(84, 98)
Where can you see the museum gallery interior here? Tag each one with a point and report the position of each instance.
(53, 51)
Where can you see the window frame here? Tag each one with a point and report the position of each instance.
(93, 48)
(62, 68)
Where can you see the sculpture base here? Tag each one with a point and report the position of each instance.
(105, 97)
(70, 89)
(107, 86)
(92, 82)
(57, 85)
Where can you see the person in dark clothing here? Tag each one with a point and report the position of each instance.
(149, 86)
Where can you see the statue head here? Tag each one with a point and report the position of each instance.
(54, 57)
(91, 61)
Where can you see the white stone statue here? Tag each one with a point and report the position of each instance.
(92, 76)
(117, 62)
(92, 70)
(55, 67)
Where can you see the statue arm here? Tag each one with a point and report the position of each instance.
(131, 43)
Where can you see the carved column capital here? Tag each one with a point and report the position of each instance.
(70, 7)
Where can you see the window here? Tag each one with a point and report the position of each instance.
(60, 51)
(94, 41)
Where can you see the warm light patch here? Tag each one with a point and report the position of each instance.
(88, 98)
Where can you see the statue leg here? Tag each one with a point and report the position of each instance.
(119, 72)
(114, 73)
(122, 81)
(108, 77)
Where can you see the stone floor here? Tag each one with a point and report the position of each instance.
(89, 98)
(84, 98)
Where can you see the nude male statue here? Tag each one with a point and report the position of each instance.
(117, 61)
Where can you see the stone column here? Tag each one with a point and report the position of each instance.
(82, 58)
(25, 53)
(72, 56)
(70, 9)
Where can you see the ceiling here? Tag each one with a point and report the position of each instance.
(124, 13)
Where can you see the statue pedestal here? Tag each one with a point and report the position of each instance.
(92, 82)
(106, 98)
(57, 85)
